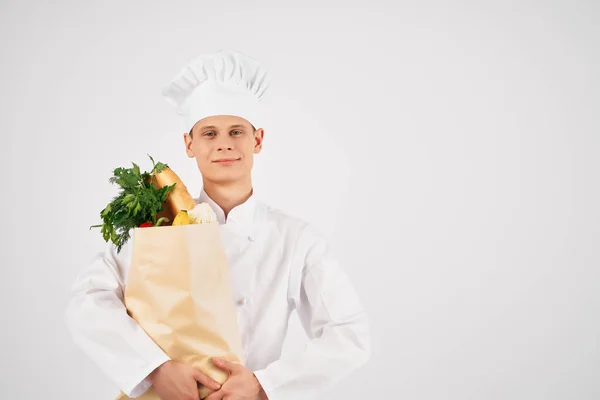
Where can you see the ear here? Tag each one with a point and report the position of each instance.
(187, 140)
(259, 136)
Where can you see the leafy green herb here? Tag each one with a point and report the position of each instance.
(138, 201)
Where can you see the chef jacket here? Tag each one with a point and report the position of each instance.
(278, 264)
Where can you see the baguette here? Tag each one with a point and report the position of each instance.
(179, 198)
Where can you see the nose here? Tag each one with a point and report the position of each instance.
(225, 144)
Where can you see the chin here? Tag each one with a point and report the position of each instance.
(225, 178)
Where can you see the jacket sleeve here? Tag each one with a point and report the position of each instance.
(101, 327)
(332, 316)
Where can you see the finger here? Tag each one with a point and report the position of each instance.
(227, 365)
(206, 380)
(218, 395)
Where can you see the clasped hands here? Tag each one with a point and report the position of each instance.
(176, 381)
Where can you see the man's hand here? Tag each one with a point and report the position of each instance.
(176, 381)
(241, 385)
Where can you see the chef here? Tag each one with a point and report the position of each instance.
(278, 264)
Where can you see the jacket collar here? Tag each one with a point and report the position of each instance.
(242, 215)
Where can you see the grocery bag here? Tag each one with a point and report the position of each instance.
(178, 290)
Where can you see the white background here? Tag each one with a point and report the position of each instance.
(448, 149)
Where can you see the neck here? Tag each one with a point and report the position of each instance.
(229, 195)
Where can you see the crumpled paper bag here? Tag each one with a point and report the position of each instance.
(178, 290)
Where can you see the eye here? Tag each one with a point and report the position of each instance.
(236, 133)
(208, 133)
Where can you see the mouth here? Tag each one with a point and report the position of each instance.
(226, 161)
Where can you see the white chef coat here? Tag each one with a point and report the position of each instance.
(278, 264)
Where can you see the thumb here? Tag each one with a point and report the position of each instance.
(226, 365)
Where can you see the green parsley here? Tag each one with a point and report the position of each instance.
(138, 201)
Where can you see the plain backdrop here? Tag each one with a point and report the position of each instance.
(449, 150)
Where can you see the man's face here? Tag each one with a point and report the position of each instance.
(224, 147)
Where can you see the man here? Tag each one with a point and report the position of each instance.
(278, 264)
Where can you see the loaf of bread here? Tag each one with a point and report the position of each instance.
(179, 198)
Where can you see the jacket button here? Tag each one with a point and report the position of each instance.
(251, 238)
(241, 301)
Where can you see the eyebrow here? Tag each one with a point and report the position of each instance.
(214, 127)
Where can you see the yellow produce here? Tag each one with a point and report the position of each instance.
(182, 218)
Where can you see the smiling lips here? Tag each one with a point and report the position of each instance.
(226, 161)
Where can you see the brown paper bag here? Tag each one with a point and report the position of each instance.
(179, 291)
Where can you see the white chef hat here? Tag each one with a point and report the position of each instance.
(220, 83)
